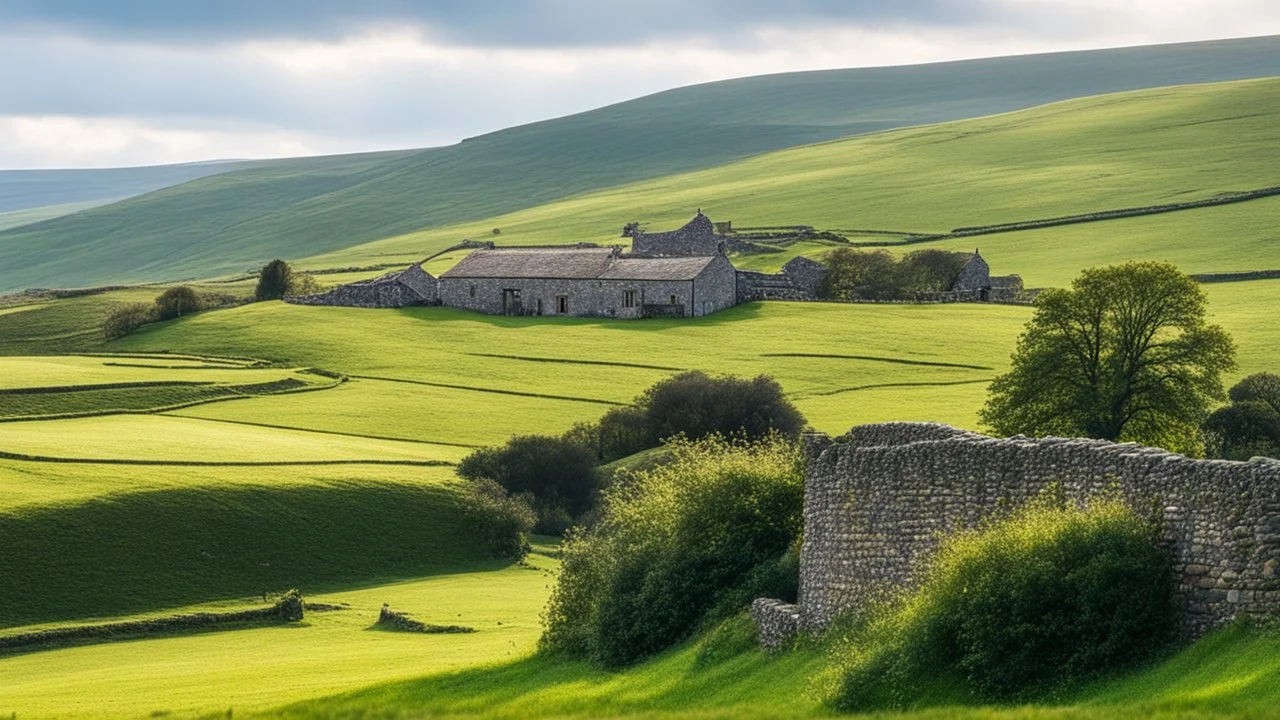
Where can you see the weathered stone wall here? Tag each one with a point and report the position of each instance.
(413, 286)
(878, 499)
(716, 287)
(587, 298)
(975, 275)
(776, 621)
(696, 239)
(806, 275)
(711, 291)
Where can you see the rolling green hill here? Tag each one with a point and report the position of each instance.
(230, 222)
(29, 189)
(1078, 156)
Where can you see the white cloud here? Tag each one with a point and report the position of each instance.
(73, 100)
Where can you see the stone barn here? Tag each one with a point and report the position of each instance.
(591, 282)
(412, 286)
(696, 239)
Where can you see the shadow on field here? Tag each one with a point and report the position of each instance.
(739, 313)
(151, 550)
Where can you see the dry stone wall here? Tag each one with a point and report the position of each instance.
(878, 500)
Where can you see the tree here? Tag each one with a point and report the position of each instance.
(1243, 430)
(695, 405)
(930, 270)
(176, 302)
(124, 319)
(859, 274)
(557, 476)
(274, 280)
(1125, 354)
(1259, 387)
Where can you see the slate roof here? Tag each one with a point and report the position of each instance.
(575, 264)
(666, 268)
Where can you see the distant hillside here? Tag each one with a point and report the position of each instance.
(1135, 149)
(231, 221)
(29, 189)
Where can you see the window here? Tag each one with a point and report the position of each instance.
(673, 299)
(629, 299)
(473, 291)
(562, 304)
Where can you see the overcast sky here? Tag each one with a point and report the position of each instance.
(100, 83)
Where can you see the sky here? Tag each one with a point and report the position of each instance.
(108, 83)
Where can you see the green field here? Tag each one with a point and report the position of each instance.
(201, 462)
(1136, 149)
(234, 221)
(256, 669)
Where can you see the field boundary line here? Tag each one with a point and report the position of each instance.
(571, 361)
(877, 386)
(495, 391)
(23, 457)
(875, 358)
(322, 432)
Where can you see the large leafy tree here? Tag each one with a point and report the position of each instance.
(1124, 354)
(274, 280)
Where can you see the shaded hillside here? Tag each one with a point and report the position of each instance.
(27, 189)
(1149, 147)
(230, 222)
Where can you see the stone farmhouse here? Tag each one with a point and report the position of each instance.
(680, 273)
(599, 281)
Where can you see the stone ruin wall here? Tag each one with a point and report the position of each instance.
(413, 286)
(878, 499)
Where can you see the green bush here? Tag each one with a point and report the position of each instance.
(1040, 601)
(557, 475)
(125, 318)
(1243, 430)
(695, 405)
(684, 543)
(1259, 387)
(274, 280)
(176, 302)
(502, 520)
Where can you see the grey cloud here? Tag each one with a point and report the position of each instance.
(496, 22)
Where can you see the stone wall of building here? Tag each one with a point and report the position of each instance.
(696, 239)
(586, 298)
(878, 499)
(413, 286)
(975, 275)
(716, 287)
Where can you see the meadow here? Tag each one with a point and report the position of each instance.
(130, 505)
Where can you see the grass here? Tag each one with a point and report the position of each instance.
(236, 220)
(1234, 673)
(209, 536)
(494, 353)
(1097, 153)
(256, 669)
(40, 387)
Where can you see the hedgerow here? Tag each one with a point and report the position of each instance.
(1036, 603)
(681, 544)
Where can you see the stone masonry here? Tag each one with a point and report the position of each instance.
(412, 286)
(878, 499)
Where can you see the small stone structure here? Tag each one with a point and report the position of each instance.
(589, 281)
(975, 283)
(696, 239)
(878, 500)
(800, 279)
(412, 286)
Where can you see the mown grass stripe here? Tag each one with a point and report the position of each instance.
(495, 391)
(873, 358)
(21, 457)
(877, 386)
(51, 389)
(571, 361)
(326, 432)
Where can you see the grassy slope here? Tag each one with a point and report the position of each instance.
(89, 541)
(1147, 147)
(1232, 674)
(17, 218)
(29, 189)
(493, 353)
(255, 669)
(232, 221)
